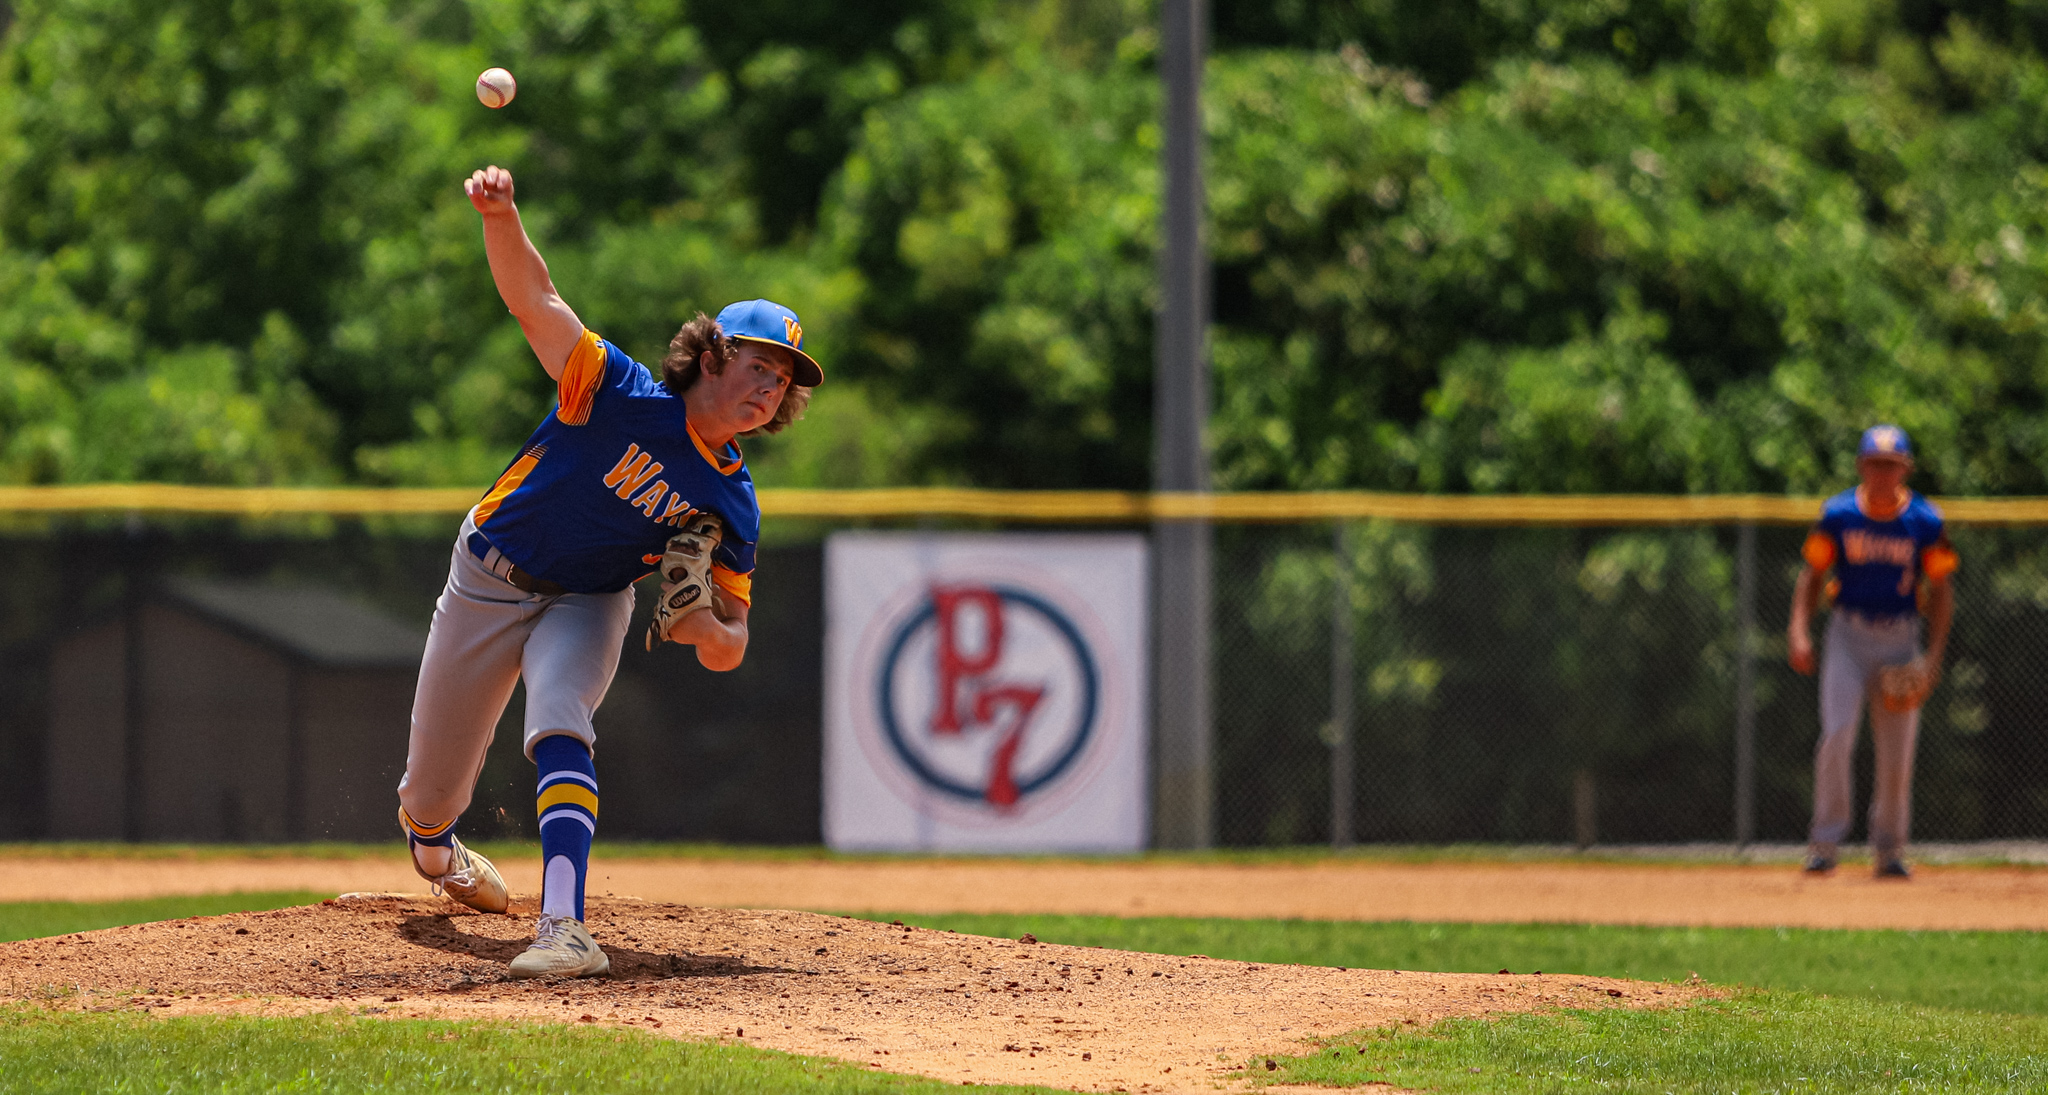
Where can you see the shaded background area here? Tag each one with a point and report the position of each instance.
(1513, 685)
(684, 753)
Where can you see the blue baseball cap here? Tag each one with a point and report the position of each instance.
(1885, 440)
(769, 322)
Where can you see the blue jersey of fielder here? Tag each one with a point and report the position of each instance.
(591, 501)
(1879, 564)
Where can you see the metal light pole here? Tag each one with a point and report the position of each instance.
(1745, 684)
(1182, 737)
(1343, 756)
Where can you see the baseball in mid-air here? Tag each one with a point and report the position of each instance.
(496, 87)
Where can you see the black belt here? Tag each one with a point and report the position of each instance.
(480, 546)
(1889, 619)
(531, 584)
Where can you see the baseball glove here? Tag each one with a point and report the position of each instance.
(685, 574)
(1905, 687)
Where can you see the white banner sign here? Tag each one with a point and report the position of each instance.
(985, 692)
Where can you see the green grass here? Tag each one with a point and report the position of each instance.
(36, 919)
(1757, 1042)
(56, 1051)
(1764, 1042)
(1986, 971)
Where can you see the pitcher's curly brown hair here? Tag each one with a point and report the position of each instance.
(682, 365)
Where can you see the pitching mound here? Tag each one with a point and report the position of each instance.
(954, 1007)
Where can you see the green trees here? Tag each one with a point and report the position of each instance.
(1476, 246)
(197, 202)
(1575, 278)
(1004, 228)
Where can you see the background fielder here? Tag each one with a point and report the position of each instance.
(627, 473)
(1889, 551)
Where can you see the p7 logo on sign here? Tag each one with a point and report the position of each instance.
(1012, 691)
(956, 668)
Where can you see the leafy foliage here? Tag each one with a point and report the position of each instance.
(1482, 245)
(1004, 227)
(1579, 279)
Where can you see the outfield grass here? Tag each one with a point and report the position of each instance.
(55, 1051)
(36, 919)
(1986, 971)
(1756, 1042)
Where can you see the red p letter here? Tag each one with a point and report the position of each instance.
(954, 665)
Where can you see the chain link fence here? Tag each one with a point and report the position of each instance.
(1375, 682)
(1562, 685)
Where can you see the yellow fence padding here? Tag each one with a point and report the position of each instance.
(1121, 507)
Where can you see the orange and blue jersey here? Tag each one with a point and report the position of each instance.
(1879, 564)
(607, 478)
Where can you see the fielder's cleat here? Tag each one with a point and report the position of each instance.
(1893, 867)
(562, 947)
(1819, 864)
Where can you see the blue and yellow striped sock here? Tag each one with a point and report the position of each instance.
(419, 836)
(567, 806)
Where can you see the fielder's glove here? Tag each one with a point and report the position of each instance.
(685, 574)
(1905, 687)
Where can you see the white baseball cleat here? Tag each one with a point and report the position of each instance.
(470, 879)
(562, 947)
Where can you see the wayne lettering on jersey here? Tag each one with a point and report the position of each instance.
(646, 469)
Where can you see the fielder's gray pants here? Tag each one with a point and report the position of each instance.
(1856, 648)
(487, 633)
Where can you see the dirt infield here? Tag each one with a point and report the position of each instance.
(953, 1007)
(1954, 898)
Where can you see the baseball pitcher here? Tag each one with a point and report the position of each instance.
(630, 474)
(1892, 563)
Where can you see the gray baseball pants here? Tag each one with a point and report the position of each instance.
(487, 634)
(1856, 648)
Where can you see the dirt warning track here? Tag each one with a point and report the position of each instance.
(1938, 898)
(953, 1007)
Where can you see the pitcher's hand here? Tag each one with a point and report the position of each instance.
(720, 635)
(490, 190)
